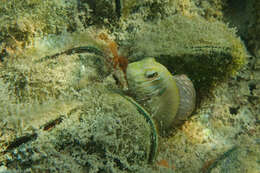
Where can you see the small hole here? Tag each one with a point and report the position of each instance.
(233, 110)
(251, 87)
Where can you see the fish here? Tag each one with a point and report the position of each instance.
(172, 99)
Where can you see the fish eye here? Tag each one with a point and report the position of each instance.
(151, 74)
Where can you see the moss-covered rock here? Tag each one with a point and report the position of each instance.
(208, 52)
(102, 12)
(104, 134)
(57, 113)
(61, 116)
(22, 20)
(254, 30)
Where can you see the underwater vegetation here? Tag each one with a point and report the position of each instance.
(66, 68)
(185, 47)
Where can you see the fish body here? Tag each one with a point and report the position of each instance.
(170, 98)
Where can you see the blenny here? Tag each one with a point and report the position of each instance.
(171, 99)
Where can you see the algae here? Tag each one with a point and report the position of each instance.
(185, 46)
(22, 20)
(253, 30)
(91, 132)
(81, 125)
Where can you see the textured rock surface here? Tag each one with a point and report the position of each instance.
(81, 125)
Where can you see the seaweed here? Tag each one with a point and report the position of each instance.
(19, 141)
(149, 120)
(214, 163)
(81, 49)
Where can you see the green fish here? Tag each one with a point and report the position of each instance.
(171, 99)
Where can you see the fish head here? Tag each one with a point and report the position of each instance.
(147, 77)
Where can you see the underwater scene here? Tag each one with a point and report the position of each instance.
(130, 86)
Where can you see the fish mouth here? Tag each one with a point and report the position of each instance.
(144, 89)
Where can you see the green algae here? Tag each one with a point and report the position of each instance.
(97, 124)
(99, 130)
(154, 135)
(22, 20)
(92, 133)
(105, 129)
(208, 52)
(254, 30)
